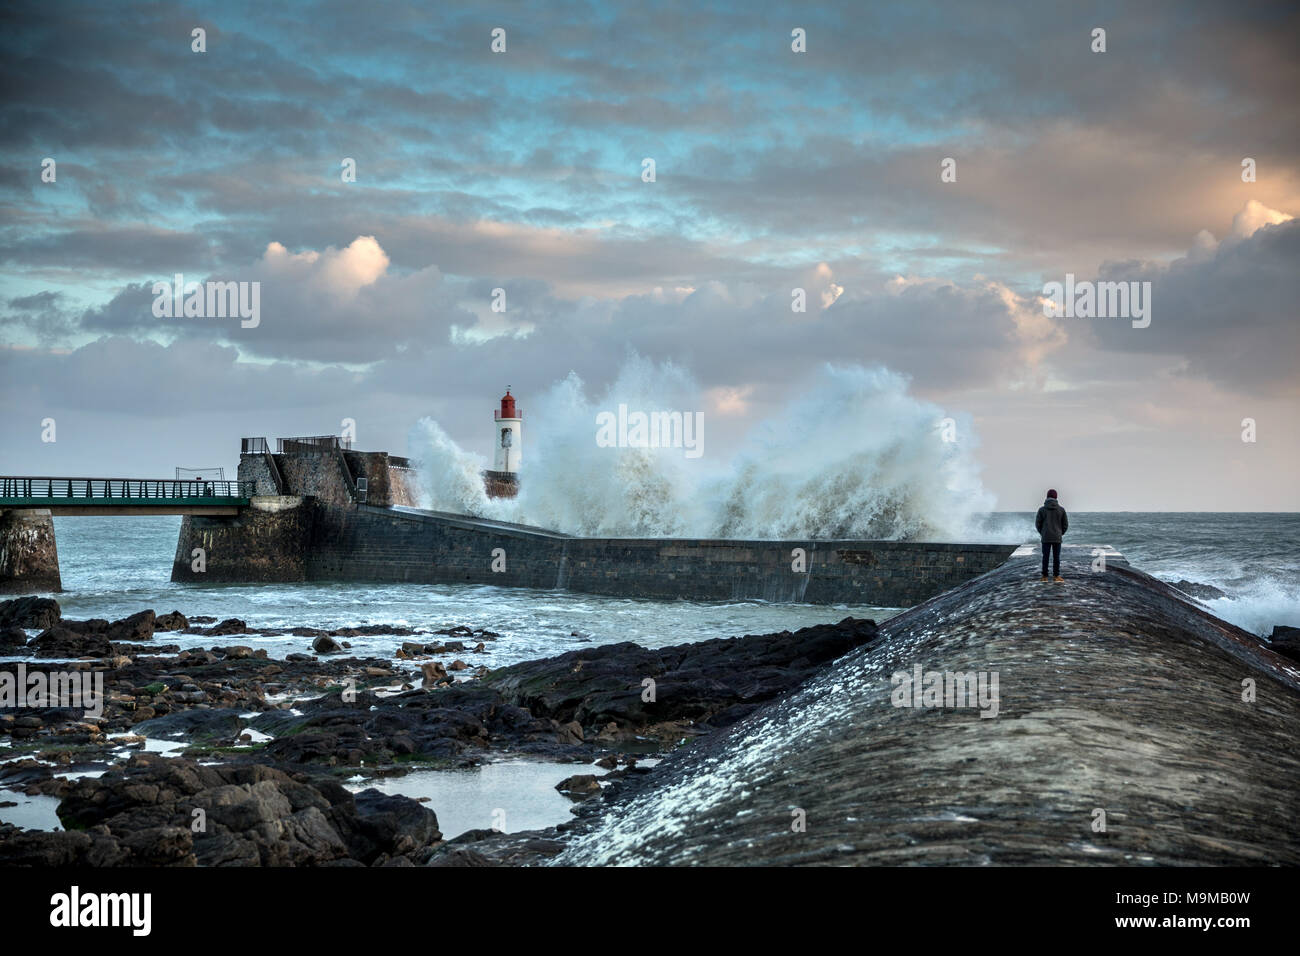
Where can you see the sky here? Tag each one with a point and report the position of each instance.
(774, 169)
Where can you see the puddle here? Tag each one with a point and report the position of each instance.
(33, 813)
(511, 795)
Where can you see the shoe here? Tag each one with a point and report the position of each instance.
(1044, 578)
(1059, 579)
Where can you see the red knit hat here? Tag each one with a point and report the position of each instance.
(1051, 492)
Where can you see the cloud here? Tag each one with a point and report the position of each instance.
(1226, 310)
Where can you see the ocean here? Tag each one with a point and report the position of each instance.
(115, 566)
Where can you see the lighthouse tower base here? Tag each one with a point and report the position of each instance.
(501, 484)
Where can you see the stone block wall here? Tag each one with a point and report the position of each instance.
(269, 541)
(371, 544)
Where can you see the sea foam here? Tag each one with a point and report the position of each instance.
(852, 455)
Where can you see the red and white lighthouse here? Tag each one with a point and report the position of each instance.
(503, 480)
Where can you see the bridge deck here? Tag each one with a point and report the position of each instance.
(124, 496)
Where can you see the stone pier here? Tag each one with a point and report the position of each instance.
(1132, 727)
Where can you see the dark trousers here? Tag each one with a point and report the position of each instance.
(1054, 549)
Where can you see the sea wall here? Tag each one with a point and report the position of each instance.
(29, 556)
(1128, 726)
(376, 544)
(325, 533)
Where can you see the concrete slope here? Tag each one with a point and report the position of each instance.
(1116, 695)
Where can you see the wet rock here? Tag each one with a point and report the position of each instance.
(231, 625)
(434, 673)
(202, 619)
(253, 815)
(95, 625)
(717, 682)
(60, 642)
(239, 652)
(388, 824)
(208, 725)
(326, 645)
(495, 848)
(12, 638)
(371, 630)
(457, 665)
(137, 627)
(579, 786)
(30, 612)
(175, 621)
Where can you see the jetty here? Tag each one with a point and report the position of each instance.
(1133, 727)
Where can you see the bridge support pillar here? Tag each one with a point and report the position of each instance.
(29, 559)
(267, 541)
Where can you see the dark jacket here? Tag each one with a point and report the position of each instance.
(1052, 522)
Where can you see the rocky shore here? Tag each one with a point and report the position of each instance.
(1126, 726)
(262, 746)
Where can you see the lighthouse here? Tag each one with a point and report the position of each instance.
(503, 480)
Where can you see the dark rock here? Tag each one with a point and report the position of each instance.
(202, 619)
(175, 621)
(389, 823)
(717, 681)
(1286, 640)
(12, 638)
(239, 652)
(137, 627)
(30, 612)
(231, 625)
(60, 642)
(96, 625)
(579, 786)
(326, 645)
(200, 725)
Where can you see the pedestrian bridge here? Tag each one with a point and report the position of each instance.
(125, 496)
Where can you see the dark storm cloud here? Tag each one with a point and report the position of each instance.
(1230, 310)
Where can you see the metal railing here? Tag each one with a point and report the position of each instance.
(312, 445)
(254, 446)
(110, 489)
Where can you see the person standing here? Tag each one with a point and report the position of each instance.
(1052, 523)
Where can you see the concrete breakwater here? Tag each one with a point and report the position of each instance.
(310, 521)
(303, 539)
(1132, 727)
